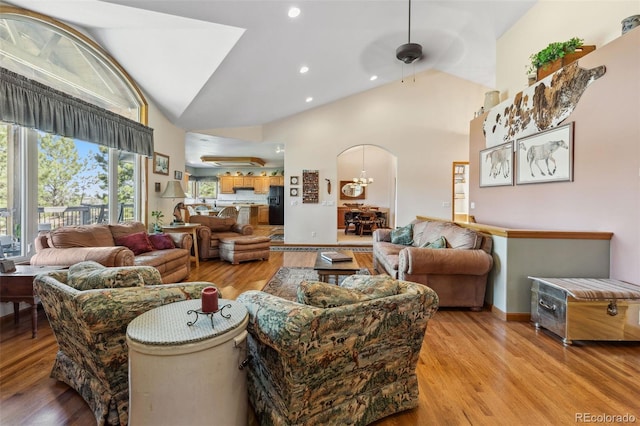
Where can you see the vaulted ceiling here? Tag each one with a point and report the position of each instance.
(210, 64)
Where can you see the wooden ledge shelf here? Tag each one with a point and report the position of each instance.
(530, 233)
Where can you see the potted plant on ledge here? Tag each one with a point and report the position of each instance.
(555, 56)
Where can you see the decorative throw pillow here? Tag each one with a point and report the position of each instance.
(375, 286)
(90, 277)
(402, 235)
(436, 244)
(161, 241)
(138, 242)
(325, 295)
(87, 265)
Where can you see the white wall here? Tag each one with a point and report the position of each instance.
(605, 193)
(424, 124)
(168, 140)
(597, 22)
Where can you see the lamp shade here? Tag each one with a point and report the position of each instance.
(173, 190)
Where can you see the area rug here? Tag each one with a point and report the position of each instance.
(285, 281)
(359, 249)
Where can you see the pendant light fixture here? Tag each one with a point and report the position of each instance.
(362, 180)
(409, 52)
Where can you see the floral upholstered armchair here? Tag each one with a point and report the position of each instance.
(89, 308)
(339, 354)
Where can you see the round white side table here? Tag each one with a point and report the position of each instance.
(188, 374)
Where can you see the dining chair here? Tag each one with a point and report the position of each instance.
(367, 222)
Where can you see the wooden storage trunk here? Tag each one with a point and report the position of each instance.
(586, 308)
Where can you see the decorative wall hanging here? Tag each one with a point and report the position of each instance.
(496, 165)
(541, 106)
(294, 180)
(294, 192)
(310, 186)
(546, 156)
(160, 163)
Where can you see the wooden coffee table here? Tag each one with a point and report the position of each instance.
(327, 269)
(17, 287)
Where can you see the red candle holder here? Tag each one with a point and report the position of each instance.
(209, 298)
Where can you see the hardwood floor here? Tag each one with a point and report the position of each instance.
(474, 369)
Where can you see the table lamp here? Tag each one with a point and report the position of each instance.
(174, 190)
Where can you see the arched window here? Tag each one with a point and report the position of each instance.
(62, 58)
(68, 175)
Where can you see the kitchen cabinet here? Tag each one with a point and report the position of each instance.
(243, 181)
(263, 214)
(226, 185)
(276, 180)
(261, 185)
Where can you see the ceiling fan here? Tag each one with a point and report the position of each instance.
(409, 52)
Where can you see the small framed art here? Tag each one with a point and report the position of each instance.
(496, 165)
(546, 156)
(160, 164)
(177, 174)
(294, 192)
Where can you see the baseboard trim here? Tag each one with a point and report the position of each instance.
(511, 316)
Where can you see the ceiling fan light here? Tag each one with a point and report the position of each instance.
(409, 52)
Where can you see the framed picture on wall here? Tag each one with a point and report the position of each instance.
(160, 164)
(177, 174)
(496, 165)
(546, 156)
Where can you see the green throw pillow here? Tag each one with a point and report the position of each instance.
(92, 275)
(375, 286)
(436, 244)
(325, 295)
(402, 235)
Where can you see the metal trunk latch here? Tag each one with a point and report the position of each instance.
(612, 309)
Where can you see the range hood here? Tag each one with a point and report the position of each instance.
(232, 161)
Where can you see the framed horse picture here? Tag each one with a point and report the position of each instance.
(546, 156)
(496, 165)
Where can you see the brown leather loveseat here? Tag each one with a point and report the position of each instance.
(68, 245)
(213, 229)
(457, 272)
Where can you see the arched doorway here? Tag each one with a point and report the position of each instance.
(379, 165)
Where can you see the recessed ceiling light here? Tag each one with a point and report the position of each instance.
(294, 12)
(309, 99)
(373, 77)
(304, 69)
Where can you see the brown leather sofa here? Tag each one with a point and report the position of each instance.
(68, 245)
(457, 273)
(213, 229)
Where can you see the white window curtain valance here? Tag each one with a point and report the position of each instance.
(31, 104)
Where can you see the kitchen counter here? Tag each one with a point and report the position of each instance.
(248, 213)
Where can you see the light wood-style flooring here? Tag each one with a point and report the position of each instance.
(474, 368)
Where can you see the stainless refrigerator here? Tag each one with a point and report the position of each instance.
(276, 205)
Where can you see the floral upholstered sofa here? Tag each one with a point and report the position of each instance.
(452, 260)
(124, 244)
(89, 308)
(339, 354)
